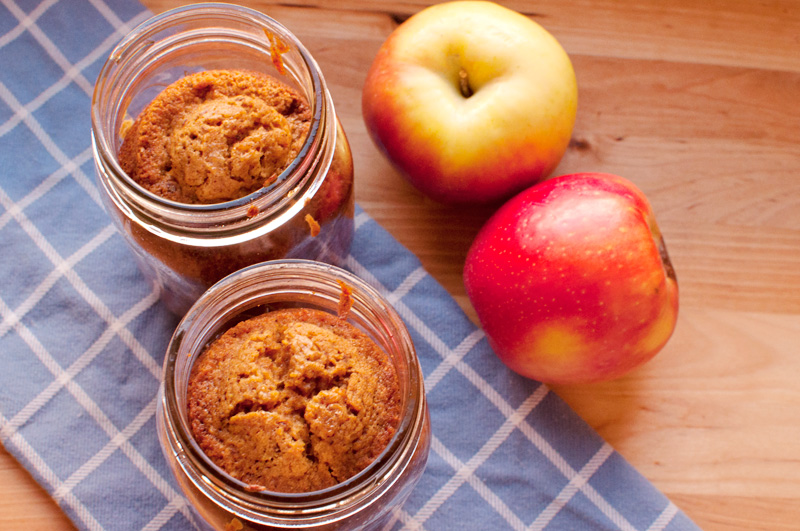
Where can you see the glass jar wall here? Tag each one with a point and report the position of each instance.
(364, 501)
(185, 248)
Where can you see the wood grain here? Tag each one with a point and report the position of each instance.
(24, 504)
(699, 104)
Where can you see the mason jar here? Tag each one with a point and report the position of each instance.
(368, 500)
(181, 248)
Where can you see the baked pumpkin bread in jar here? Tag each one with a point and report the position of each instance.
(237, 149)
(293, 400)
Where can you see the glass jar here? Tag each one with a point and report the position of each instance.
(183, 249)
(366, 500)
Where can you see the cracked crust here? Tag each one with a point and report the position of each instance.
(294, 400)
(215, 136)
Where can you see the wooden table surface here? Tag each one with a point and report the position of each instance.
(698, 103)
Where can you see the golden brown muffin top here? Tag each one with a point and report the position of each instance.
(215, 136)
(293, 400)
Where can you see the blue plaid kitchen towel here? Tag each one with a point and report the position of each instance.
(82, 336)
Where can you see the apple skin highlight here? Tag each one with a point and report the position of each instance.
(571, 281)
(471, 101)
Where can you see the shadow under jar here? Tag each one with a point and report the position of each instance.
(367, 500)
(182, 248)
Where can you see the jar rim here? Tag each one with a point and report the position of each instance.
(139, 42)
(412, 413)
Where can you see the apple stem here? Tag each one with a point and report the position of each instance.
(463, 83)
(668, 268)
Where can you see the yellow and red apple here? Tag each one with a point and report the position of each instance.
(471, 101)
(571, 280)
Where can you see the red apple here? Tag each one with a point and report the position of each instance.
(571, 280)
(471, 101)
